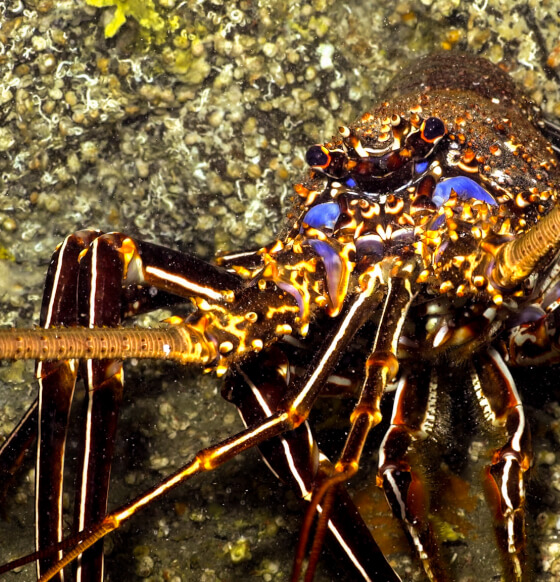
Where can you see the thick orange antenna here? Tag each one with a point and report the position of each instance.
(183, 343)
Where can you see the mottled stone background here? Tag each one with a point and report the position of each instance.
(191, 136)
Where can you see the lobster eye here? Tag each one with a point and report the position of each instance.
(318, 156)
(432, 129)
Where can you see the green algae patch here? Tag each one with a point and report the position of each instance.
(143, 11)
(6, 255)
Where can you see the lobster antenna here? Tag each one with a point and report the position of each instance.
(184, 343)
(517, 259)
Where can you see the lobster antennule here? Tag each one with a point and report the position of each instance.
(184, 343)
(518, 258)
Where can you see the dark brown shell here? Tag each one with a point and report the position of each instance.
(459, 72)
(484, 113)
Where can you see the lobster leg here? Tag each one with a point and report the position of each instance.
(112, 262)
(293, 411)
(536, 342)
(505, 477)
(56, 386)
(101, 277)
(412, 422)
(381, 367)
(136, 300)
(102, 272)
(295, 459)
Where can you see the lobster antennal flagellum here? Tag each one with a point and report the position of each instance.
(180, 343)
(518, 258)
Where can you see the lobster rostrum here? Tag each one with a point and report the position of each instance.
(429, 230)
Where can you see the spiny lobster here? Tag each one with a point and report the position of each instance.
(428, 231)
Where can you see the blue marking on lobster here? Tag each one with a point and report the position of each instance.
(332, 262)
(465, 188)
(323, 216)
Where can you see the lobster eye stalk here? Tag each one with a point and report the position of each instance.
(518, 258)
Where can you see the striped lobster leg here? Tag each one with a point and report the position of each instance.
(505, 475)
(412, 422)
(256, 388)
(94, 280)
